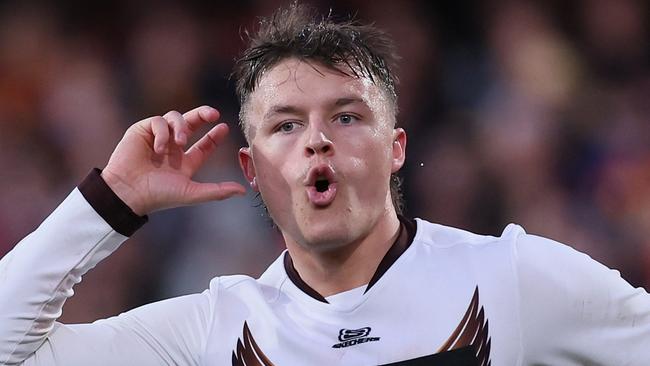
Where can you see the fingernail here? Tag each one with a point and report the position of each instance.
(181, 138)
(206, 112)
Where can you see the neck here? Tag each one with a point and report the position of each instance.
(347, 266)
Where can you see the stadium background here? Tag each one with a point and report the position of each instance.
(535, 112)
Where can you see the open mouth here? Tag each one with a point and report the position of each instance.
(321, 186)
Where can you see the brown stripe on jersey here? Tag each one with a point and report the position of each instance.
(472, 331)
(468, 345)
(404, 239)
(458, 357)
(248, 353)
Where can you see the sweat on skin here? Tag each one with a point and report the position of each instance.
(303, 116)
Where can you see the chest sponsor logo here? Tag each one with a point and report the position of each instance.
(352, 337)
(468, 345)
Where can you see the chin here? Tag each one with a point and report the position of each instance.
(323, 230)
(325, 240)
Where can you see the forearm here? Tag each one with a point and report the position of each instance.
(38, 275)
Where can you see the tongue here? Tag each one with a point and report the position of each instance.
(321, 199)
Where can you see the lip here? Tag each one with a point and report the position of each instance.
(321, 199)
(323, 170)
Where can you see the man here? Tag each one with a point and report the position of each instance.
(358, 284)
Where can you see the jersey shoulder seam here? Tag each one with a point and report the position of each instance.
(231, 281)
(470, 238)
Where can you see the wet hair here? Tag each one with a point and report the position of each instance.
(347, 46)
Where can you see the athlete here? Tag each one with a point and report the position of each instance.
(358, 284)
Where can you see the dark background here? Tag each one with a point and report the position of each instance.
(534, 112)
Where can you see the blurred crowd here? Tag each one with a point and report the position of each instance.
(534, 112)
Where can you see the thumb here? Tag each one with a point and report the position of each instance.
(204, 192)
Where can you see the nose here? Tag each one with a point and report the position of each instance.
(318, 143)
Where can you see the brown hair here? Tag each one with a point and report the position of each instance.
(297, 31)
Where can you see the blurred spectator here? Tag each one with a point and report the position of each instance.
(527, 111)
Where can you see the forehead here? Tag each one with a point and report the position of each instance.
(308, 83)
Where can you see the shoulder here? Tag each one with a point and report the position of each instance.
(441, 236)
(552, 274)
(265, 288)
(539, 258)
(587, 307)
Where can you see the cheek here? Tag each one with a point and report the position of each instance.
(378, 152)
(370, 165)
(276, 172)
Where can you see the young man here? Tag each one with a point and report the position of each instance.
(358, 284)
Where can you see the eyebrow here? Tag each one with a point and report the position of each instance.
(281, 109)
(346, 101)
(290, 109)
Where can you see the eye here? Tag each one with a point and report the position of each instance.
(346, 119)
(287, 127)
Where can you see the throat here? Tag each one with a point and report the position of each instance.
(320, 280)
(360, 265)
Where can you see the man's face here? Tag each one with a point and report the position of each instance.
(322, 149)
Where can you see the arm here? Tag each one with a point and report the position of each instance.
(34, 290)
(148, 171)
(576, 311)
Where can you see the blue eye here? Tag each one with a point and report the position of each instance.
(287, 127)
(347, 119)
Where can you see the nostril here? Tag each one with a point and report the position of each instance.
(319, 147)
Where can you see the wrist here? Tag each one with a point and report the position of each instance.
(109, 205)
(125, 192)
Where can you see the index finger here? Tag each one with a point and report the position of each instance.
(198, 116)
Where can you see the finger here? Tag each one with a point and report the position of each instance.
(160, 130)
(179, 127)
(204, 192)
(201, 150)
(200, 116)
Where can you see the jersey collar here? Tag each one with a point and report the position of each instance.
(404, 239)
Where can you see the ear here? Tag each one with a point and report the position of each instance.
(247, 167)
(399, 149)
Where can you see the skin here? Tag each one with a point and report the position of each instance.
(301, 115)
(304, 115)
(150, 169)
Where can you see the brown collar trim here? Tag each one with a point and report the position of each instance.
(295, 278)
(404, 239)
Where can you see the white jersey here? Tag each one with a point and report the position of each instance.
(448, 297)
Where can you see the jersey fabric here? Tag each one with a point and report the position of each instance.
(443, 297)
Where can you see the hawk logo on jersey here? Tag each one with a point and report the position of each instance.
(248, 353)
(468, 345)
(472, 332)
(351, 337)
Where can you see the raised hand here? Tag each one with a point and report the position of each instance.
(150, 169)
